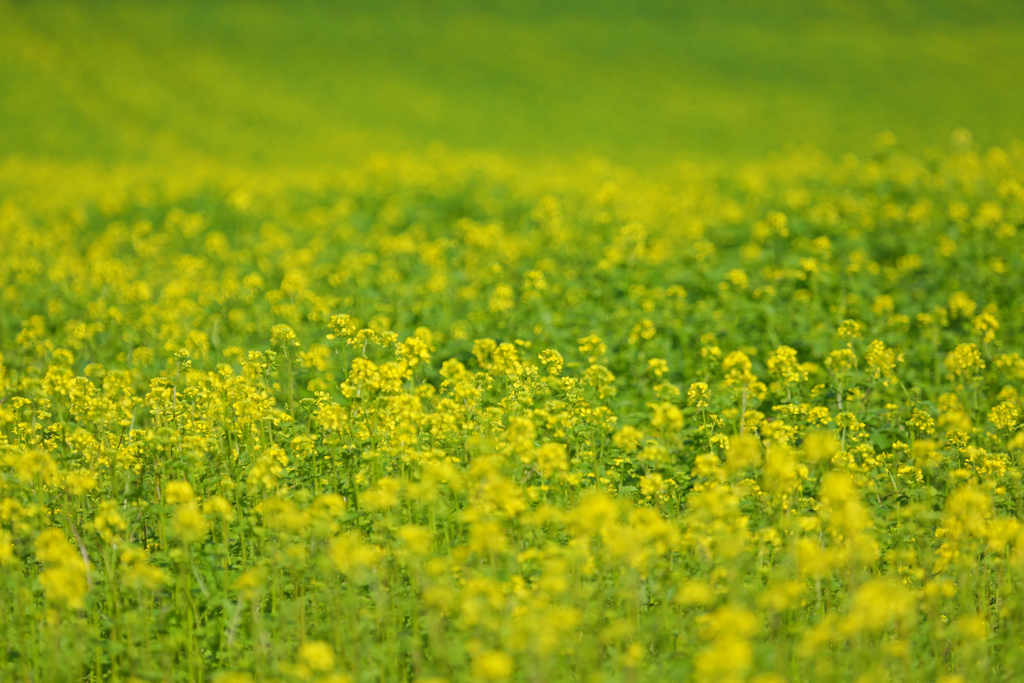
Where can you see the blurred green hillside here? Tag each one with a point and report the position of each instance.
(269, 84)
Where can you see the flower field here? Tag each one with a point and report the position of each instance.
(511, 342)
(450, 418)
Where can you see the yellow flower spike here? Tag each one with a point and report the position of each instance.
(698, 395)
(552, 361)
(882, 360)
(593, 348)
(851, 329)
(645, 330)
(284, 516)
(1004, 416)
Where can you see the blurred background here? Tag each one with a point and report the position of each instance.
(303, 83)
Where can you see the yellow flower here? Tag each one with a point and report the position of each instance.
(744, 451)
(695, 593)
(6, 549)
(486, 536)
(552, 361)
(417, 538)
(66, 585)
(219, 505)
(820, 446)
(628, 438)
(633, 656)
(783, 364)
(729, 655)
(249, 584)
(64, 581)
(138, 574)
(317, 655)
(551, 458)
(188, 523)
(53, 547)
(882, 360)
(657, 366)
(33, 464)
(109, 523)
(492, 665)
(725, 660)
(177, 492)
(284, 516)
(964, 360)
(342, 326)
(971, 627)
(851, 329)
(80, 482)
(383, 496)
(352, 556)
(652, 484)
(961, 305)
(698, 395)
(283, 335)
(1004, 416)
(666, 416)
(878, 604)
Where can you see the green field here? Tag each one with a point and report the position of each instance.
(527, 342)
(310, 83)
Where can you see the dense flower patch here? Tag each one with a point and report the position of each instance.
(454, 420)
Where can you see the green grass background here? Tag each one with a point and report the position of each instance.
(267, 83)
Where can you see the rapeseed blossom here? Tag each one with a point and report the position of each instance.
(439, 421)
